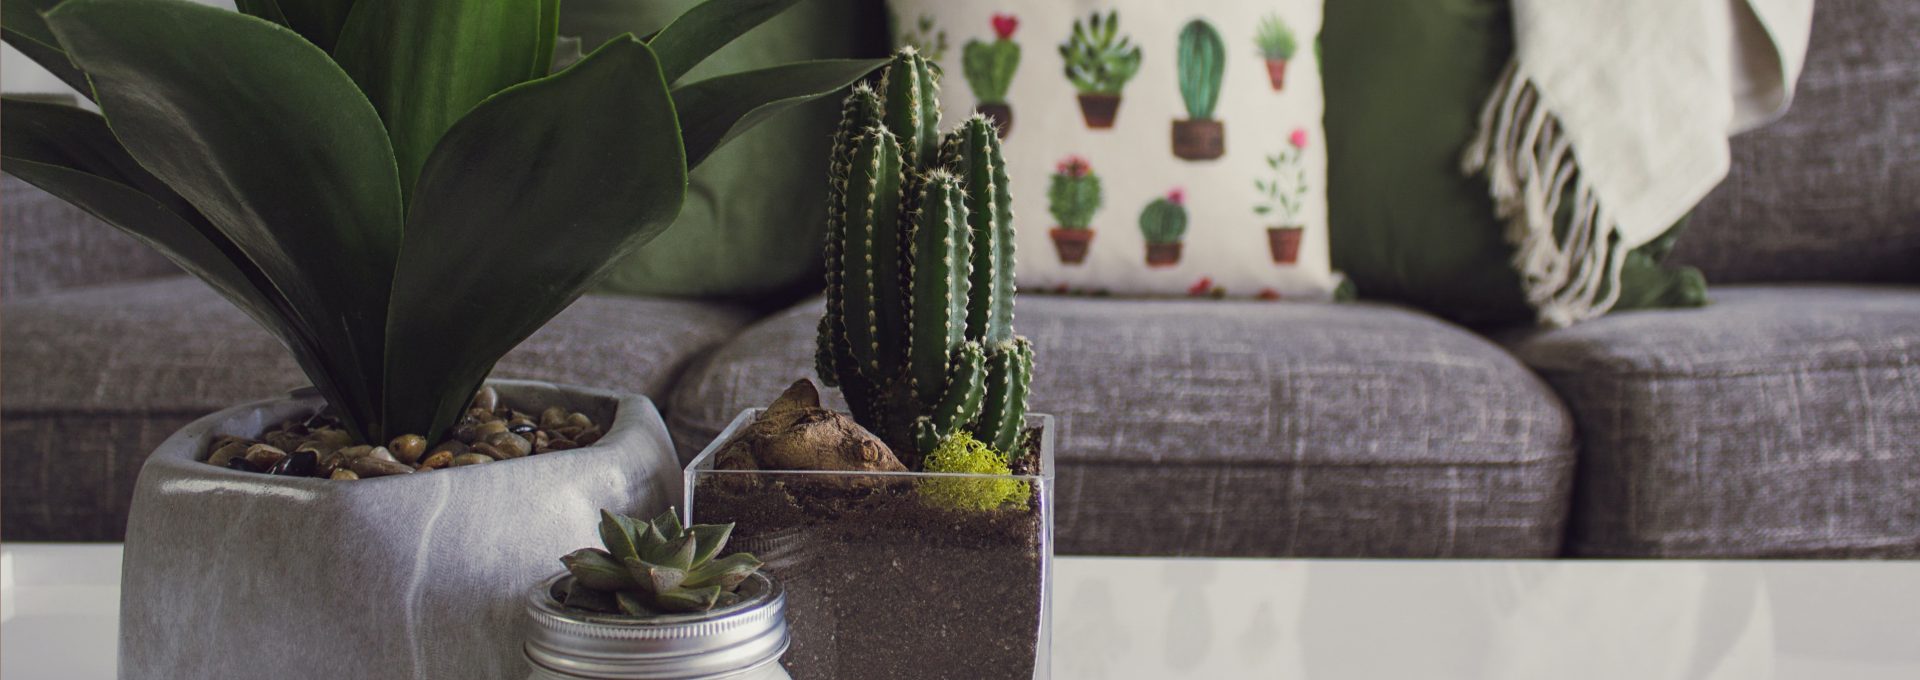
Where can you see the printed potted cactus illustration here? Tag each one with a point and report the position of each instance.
(926, 37)
(1277, 46)
(1284, 194)
(1100, 61)
(990, 67)
(1202, 61)
(1073, 197)
(1164, 224)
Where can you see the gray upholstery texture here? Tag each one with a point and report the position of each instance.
(1831, 192)
(47, 244)
(97, 377)
(1240, 428)
(1776, 422)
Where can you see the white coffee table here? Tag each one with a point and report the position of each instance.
(1226, 619)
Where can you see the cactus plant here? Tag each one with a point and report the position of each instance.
(1165, 219)
(990, 67)
(1073, 196)
(918, 332)
(1164, 224)
(1202, 60)
(1277, 45)
(657, 567)
(1099, 62)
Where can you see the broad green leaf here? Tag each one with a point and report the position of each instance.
(319, 21)
(274, 145)
(725, 572)
(547, 38)
(426, 64)
(71, 154)
(525, 202)
(617, 533)
(707, 27)
(23, 27)
(716, 110)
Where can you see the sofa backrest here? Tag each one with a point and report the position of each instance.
(48, 245)
(1830, 192)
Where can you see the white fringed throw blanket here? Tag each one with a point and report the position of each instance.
(1623, 107)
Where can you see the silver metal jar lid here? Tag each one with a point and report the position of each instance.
(716, 644)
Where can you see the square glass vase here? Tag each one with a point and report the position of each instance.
(898, 574)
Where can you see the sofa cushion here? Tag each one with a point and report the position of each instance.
(1831, 192)
(1236, 428)
(1779, 421)
(96, 378)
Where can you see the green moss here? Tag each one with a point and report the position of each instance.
(961, 453)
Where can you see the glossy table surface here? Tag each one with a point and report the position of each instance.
(1222, 619)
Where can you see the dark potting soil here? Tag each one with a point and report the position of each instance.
(882, 586)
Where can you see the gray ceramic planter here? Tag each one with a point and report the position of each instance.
(232, 574)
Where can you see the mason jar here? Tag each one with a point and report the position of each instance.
(740, 642)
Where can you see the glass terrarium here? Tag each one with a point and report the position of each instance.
(898, 574)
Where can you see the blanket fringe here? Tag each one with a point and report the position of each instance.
(1570, 275)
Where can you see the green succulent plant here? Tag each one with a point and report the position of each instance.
(1202, 62)
(1274, 38)
(656, 567)
(399, 190)
(1164, 220)
(1098, 59)
(918, 332)
(1073, 193)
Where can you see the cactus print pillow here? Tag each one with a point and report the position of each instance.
(1155, 148)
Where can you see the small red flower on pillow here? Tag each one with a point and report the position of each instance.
(1003, 25)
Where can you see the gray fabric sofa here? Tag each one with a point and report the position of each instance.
(1783, 420)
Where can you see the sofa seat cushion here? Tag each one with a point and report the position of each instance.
(96, 378)
(1776, 422)
(1238, 428)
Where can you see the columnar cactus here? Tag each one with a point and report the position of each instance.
(1073, 194)
(1202, 60)
(918, 332)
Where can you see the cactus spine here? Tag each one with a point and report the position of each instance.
(1202, 61)
(918, 332)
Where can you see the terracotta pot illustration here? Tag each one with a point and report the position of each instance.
(1000, 113)
(1163, 254)
(1277, 73)
(1071, 244)
(1099, 110)
(1284, 242)
(1199, 140)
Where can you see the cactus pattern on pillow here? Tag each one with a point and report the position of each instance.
(990, 67)
(1188, 74)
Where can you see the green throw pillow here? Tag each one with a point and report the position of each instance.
(1405, 81)
(756, 209)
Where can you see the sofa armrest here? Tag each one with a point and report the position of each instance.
(48, 245)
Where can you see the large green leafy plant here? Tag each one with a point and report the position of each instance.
(400, 190)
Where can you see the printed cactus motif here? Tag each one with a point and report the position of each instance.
(1099, 60)
(1202, 61)
(1165, 219)
(990, 66)
(1074, 194)
(918, 332)
(927, 37)
(1277, 45)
